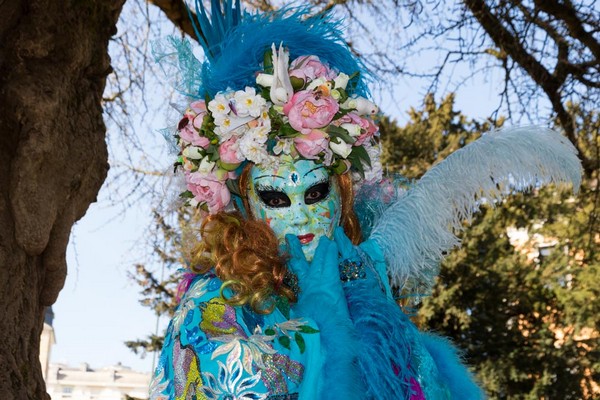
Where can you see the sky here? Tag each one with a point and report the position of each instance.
(98, 308)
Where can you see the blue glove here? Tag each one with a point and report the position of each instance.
(319, 280)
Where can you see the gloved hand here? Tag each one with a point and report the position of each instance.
(319, 280)
(350, 262)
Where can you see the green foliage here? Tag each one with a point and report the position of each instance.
(526, 316)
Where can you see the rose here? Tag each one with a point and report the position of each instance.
(306, 111)
(208, 189)
(199, 107)
(367, 127)
(309, 146)
(309, 68)
(228, 152)
(191, 122)
(340, 148)
(341, 81)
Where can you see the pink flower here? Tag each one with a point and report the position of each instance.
(228, 151)
(208, 189)
(309, 146)
(199, 107)
(190, 135)
(367, 127)
(307, 110)
(310, 68)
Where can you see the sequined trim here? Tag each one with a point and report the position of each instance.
(277, 368)
(351, 270)
(291, 281)
(291, 396)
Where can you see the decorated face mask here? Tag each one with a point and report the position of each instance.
(297, 198)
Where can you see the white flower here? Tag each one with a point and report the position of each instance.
(353, 129)
(219, 105)
(349, 104)
(341, 81)
(229, 123)
(253, 151)
(281, 89)
(248, 103)
(193, 152)
(283, 146)
(271, 162)
(206, 166)
(222, 120)
(335, 94)
(259, 134)
(265, 80)
(342, 148)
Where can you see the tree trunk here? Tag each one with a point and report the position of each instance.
(53, 67)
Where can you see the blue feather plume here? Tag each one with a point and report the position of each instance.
(417, 230)
(453, 373)
(385, 335)
(212, 32)
(235, 44)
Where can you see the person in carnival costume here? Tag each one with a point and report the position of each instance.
(290, 291)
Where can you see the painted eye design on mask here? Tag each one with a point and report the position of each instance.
(273, 198)
(316, 192)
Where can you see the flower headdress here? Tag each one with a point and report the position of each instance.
(314, 107)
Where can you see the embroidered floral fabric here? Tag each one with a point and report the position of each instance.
(215, 351)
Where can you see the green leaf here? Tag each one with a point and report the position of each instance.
(300, 342)
(343, 95)
(356, 163)
(297, 83)
(337, 132)
(268, 62)
(284, 341)
(362, 154)
(286, 131)
(270, 331)
(308, 329)
(187, 195)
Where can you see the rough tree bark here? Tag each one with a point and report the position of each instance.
(53, 66)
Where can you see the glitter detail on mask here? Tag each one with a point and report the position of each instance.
(277, 368)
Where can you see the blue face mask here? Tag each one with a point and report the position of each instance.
(297, 198)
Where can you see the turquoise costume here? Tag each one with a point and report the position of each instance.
(215, 351)
(345, 337)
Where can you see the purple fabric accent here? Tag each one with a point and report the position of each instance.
(417, 392)
(184, 285)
